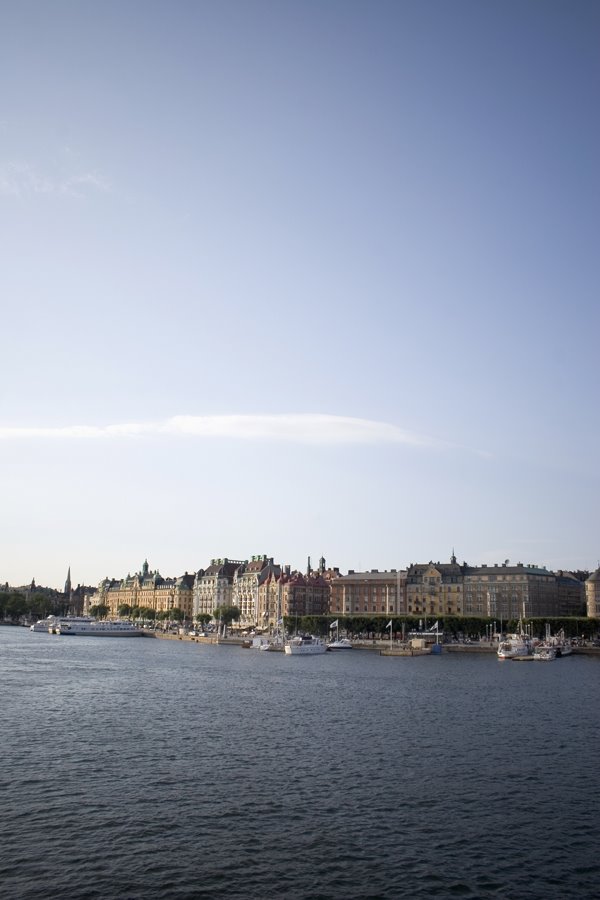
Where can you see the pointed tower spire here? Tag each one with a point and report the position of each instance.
(68, 583)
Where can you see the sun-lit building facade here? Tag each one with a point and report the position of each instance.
(145, 590)
(434, 589)
(246, 582)
(213, 587)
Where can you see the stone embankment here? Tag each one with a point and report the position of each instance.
(209, 639)
(381, 647)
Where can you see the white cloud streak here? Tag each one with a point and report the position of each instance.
(22, 180)
(302, 428)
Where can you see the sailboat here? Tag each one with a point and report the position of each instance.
(275, 644)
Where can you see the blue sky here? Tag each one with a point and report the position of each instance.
(298, 278)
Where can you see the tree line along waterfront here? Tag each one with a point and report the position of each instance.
(449, 627)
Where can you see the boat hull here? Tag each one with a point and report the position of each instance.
(305, 647)
(100, 629)
(515, 646)
(305, 651)
(342, 644)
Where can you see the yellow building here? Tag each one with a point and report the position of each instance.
(148, 590)
(434, 589)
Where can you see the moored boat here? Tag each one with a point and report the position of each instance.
(52, 624)
(98, 628)
(273, 645)
(43, 625)
(558, 644)
(340, 644)
(305, 645)
(514, 646)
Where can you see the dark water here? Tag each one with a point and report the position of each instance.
(158, 769)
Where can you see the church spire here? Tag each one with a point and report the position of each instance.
(68, 583)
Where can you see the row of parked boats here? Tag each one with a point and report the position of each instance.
(299, 645)
(520, 646)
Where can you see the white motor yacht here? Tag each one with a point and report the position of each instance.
(514, 645)
(99, 628)
(340, 644)
(305, 645)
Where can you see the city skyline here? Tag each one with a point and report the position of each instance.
(298, 279)
(316, 566)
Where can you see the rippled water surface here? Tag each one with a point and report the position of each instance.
(165, 769)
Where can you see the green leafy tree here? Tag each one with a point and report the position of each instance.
(225, 615)
(203, 619)
(124, 610)
(176, 614)
(40, 606)
(15, 606)
(99, 611)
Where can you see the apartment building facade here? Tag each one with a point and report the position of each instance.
(505, 592)
(291, 594)
(368, 593)
(499, 592)
(213, 587)
(245, 590)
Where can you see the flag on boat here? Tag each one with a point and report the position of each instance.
(389, 624)
(334, 624)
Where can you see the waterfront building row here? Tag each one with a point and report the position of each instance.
(265, 591)
(449, 589)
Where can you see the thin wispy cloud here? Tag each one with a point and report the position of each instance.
(23, 180)
(297, 428)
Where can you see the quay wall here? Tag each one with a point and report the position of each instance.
(378, 646)
(212, 639)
